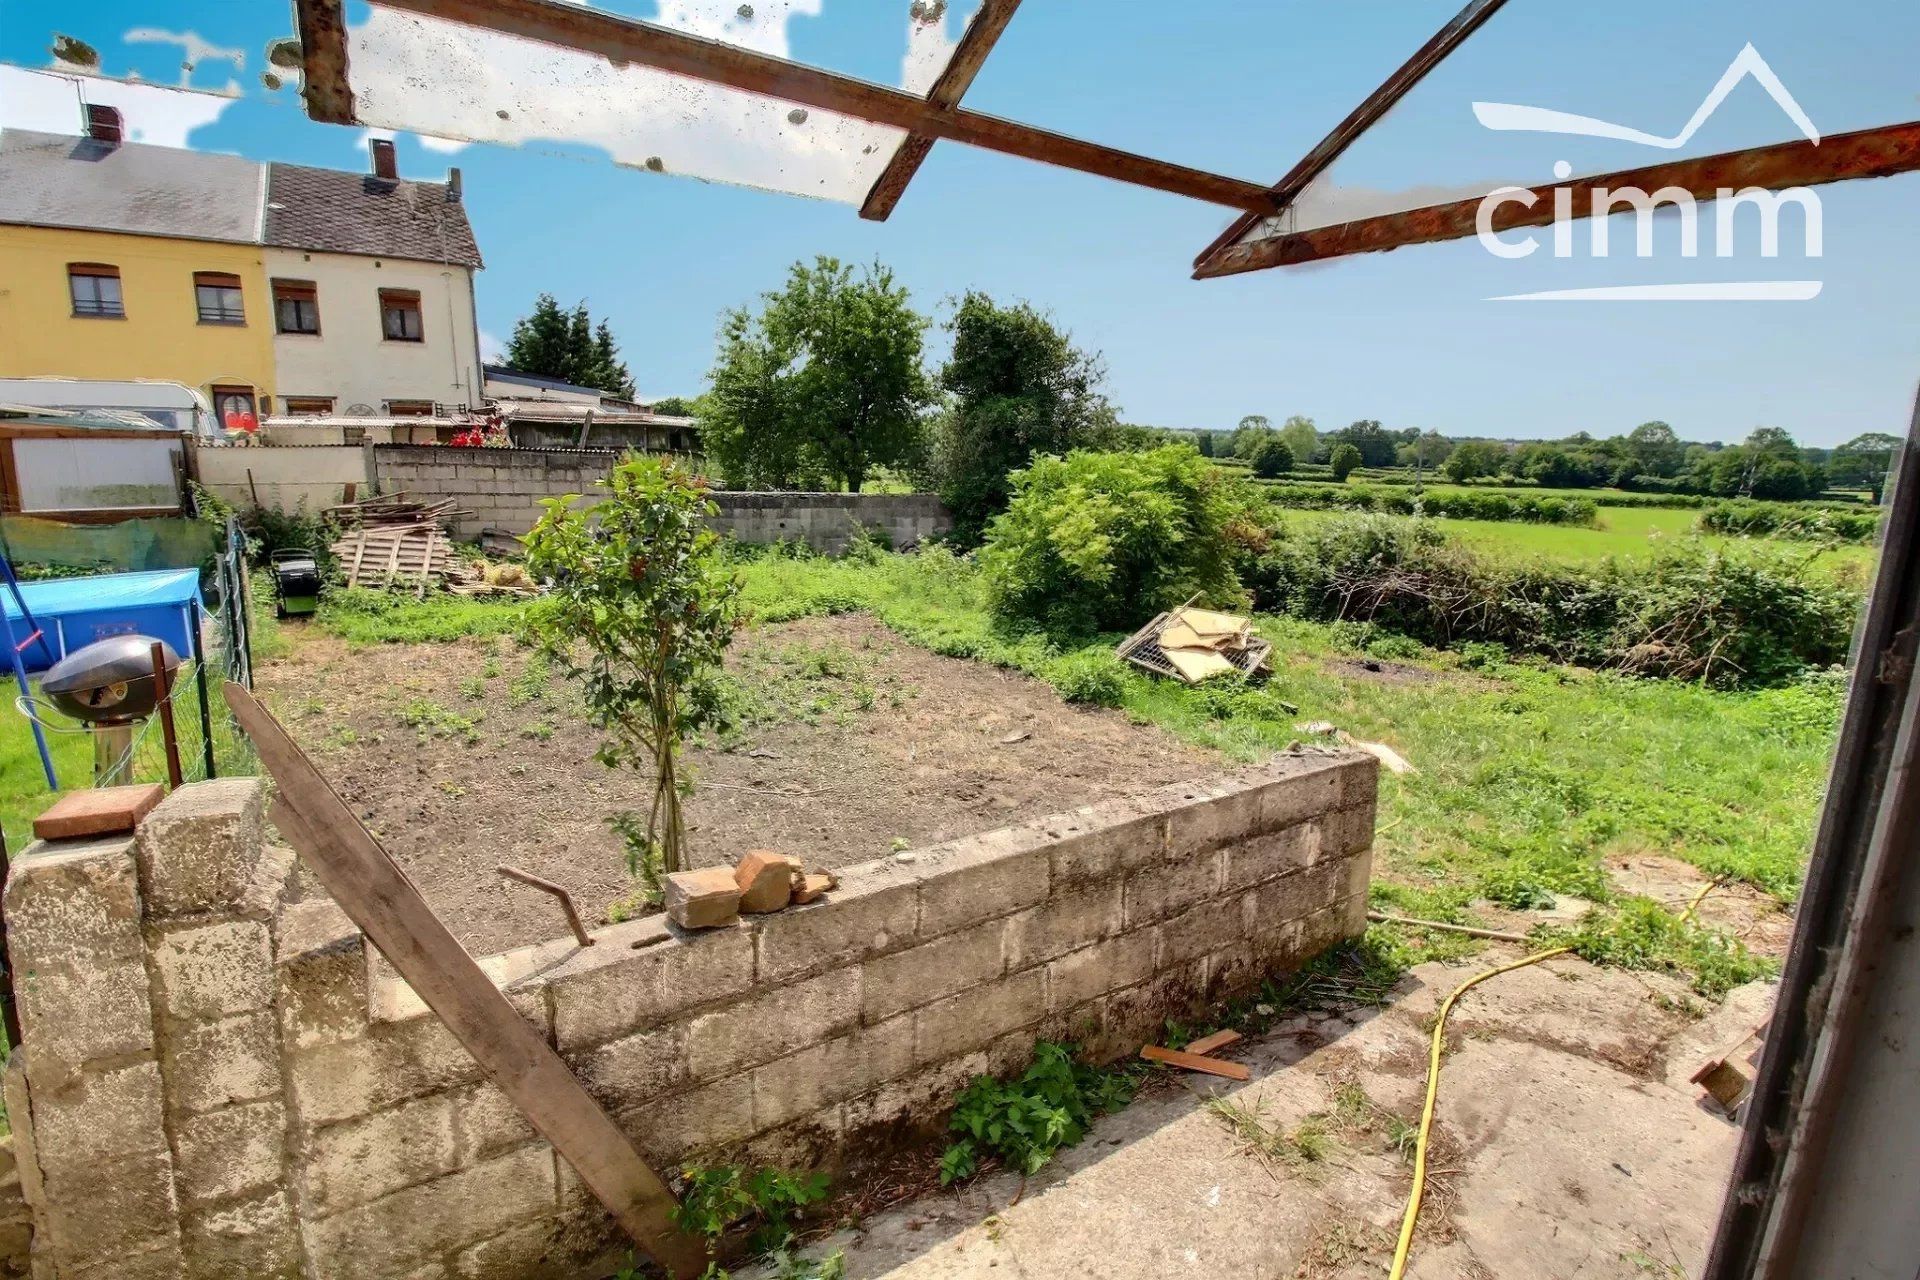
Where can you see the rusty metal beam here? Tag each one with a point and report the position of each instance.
(955, 79)
(323, 51)
(628, 40)
(1363, 117)
(1869, 153)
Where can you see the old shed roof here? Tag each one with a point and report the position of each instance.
(338, 212)
(57, 180)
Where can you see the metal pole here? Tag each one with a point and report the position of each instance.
(200, 679)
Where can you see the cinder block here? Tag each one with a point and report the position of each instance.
(1153, 893)
(226, 1153)
(1276, 853)
(634, 1068)
(1302, 788)
(75, 1014)
(321, 975)
(611, 989)
(773, 1024)
(962, 1023)
(1214, 813)
(392, 1062)
(388, 1235)
(912, 1107)
(487, 1123)
(1065, 922)
(545, 1249)
(156, 1259)
(1130, 1018)
(1100, 843)
(110, 1209)
(920, 975)
(255, 1238)
(817, 1077)
(214, 970)
(99, 1116)
(673, 1128)
(73, 903)
(198, 849)
(1200, 930)
(216, 1064)
(872, 913)
(1359, 780)
(982, 878)
(1321, 930)
(1349, 831)
(1084, 975)
(358, 1161)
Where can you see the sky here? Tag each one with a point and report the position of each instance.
(1413, 338)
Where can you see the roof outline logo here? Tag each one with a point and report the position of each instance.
(1511, 117)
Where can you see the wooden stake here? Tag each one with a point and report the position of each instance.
(378, 897)
(163, 689)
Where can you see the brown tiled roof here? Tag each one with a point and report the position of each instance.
(336, 212)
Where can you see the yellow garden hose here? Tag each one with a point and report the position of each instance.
(1433, 1087)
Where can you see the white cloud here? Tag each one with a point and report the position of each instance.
(194, 50)
(491, 348)
(445, 146)
(51, 102)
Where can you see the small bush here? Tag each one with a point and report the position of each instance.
(1102, 541)
(1026, 1120)
(1642, 934)
(1791, 520)
(1271, 458)
(1092, 676)
(1486, 504)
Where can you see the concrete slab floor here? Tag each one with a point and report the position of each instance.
(1568, 1146)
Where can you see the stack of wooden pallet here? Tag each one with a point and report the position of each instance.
(392, 509)
(393, 541)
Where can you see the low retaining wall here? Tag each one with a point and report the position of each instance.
(828, 521)
(285, 476)
(212, 1083)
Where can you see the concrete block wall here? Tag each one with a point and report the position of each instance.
(284, 477)
(828, 521)
(213, 1084)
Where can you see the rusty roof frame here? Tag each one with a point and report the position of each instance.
(1868, 153)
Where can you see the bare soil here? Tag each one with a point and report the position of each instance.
(464, 756)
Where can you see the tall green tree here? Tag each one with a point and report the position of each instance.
(1863, 462)
(1018, 388)
(568, 346)
(1301, 436)
(824, 383)
(1377, 446)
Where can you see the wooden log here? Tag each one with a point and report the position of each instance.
(378, 897)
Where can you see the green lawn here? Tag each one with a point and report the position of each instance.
(1628, 533)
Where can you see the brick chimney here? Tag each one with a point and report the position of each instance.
(453, 184)
(104, 124)
(384, 165)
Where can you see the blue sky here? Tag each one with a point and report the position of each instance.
(1410, 338)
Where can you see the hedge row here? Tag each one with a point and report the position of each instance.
(1791, 520)
(1453, 504)
(1742, 616)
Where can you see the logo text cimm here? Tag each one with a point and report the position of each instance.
(1680, 206)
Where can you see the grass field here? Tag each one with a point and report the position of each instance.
(1628, 533)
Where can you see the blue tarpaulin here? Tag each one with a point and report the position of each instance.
(75, 612)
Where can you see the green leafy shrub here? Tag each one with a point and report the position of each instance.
(1479, 504)
(1642, 934)
(1751, 616)
(1102, 541)
(1342, 461)
(1026, 1120)
(1092, 676)
(1271, 458)
(1791, 520)
(719, 1199)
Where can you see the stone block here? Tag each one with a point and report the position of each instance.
(551, 1249)
(704, 899)
(1199, 930)
(216, 1064)
(73, 1015)
(254, 1238)
(487, 1123)
(817, 1077)
(1065, 922)
(634, 1068)
(773, 1024)
(110, 1209)
(982, 878)
(915, 1106)
(963, 1023)
(1273, 854)
(920, 975)
(671, 1129)
(198, 849)
(214, 970)
(872, 913)
(358, 1161)
(226, 1153)
(99, 1116)
(73, 903)
(1213, 814)
(405, 1228)
(765, 881)
(611, 989)
(1349, 831)
(392, 1062)
(1301, 788)
(1153, 893)
(321, 975)
(1359, 780)
(158, 1259)
(1091, 972)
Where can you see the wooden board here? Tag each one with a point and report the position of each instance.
(1197, 1062)
(377, 896)
(1218, 1040)
(1195, 665)
(106, 811)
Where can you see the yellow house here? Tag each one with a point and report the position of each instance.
(122, 261)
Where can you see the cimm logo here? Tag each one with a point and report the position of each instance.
(1573, 203)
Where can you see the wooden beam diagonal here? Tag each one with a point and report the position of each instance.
(1868, 153)
(954, 80)
(625, 40)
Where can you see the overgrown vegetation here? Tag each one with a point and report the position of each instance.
(1023, 1122)
(1639, 933)
(1453, 504)
(1791, 520)
(765, 1204)
(639, 609)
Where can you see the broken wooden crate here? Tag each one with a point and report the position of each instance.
(409, 555)
(1191, 645)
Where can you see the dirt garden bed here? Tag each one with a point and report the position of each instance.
(852, 743)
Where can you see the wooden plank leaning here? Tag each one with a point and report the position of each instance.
(378, 897)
